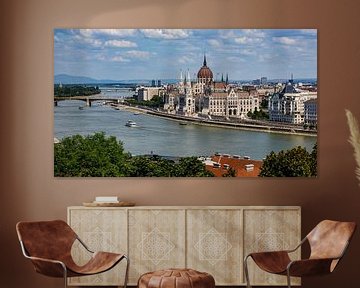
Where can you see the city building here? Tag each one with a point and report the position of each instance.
(263, 80)
(207, 97)
(310, 117)
(288, 105)
(220, 165)
(147, 93)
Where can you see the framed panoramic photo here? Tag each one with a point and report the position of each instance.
(185, 102)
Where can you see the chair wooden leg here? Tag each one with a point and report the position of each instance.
(246, 271)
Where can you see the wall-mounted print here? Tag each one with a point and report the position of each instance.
(185, 102)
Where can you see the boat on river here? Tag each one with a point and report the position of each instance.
(131, 123)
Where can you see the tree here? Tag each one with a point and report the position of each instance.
(191, 167)
(100, 156)
(297, 162)
(90, 156)
(230, 173)
(154, 166)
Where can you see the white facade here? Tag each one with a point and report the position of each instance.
(230, 104)
(288, 106)
(147, 93)
(310, 117)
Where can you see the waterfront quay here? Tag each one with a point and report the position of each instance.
(253, 125)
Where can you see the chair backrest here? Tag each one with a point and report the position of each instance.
(329, 239)
(46, 239)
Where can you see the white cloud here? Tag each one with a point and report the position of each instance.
(285, 40)
(119, 59)
(247, 40)
(100, 57)
(185, 60)
(116, 32)
(138, 54)
(90, 41)
(120, 43)
(86, 32)
(166, 33)
(257, 33)
(247, 52)
(309, 31)
(227, 34)
(110, 32)
(235, 59)
(214, 43)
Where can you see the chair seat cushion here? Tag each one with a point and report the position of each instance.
(99, 262)
(272, 262)
(176, 278)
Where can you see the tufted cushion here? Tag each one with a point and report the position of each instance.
(176, 278)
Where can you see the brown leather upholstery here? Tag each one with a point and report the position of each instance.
(53, 240)
(176, 278)
(328, 242)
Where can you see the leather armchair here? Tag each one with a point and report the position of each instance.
(48, 245)
(328, 242)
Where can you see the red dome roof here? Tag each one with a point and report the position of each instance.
(205, 72)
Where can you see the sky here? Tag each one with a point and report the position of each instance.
(129, 54)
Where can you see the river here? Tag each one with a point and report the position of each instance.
(166, 137)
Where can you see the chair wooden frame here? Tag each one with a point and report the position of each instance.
(58, 268)
(314, 265)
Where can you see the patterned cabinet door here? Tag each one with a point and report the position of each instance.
(101, 230)
(269, 230)
(156, 240)
(214, 244)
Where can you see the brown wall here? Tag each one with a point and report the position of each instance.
(30, 192)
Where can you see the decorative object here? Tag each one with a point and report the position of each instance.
(176, 278)
(354, 139)
(109, 204)
(48, 245)
(185, 102)
(328, 242)
(204, 238)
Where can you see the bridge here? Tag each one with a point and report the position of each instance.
(87, 99)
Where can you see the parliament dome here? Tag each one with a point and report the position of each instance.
(205, 72)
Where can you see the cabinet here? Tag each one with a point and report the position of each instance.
(211, 239)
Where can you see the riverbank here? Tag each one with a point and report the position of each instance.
(268, 127)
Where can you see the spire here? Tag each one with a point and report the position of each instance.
(204, 64)
(188, 77)
(222, 77)
(181, 75)
(227, 78)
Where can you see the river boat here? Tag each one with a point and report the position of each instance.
(130, 123)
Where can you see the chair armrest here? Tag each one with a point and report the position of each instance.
(48, 267)
(309, 267)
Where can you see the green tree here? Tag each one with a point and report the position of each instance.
(313, 161)
(230, 173)
(154, 166)
(75, 90)
(297, 162)
(191, 167)
(100, 156)
(90, 156)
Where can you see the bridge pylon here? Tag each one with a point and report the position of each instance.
(88, 102)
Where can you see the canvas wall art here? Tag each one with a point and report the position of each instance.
(185, 103)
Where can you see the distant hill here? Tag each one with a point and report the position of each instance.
(69, 79)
